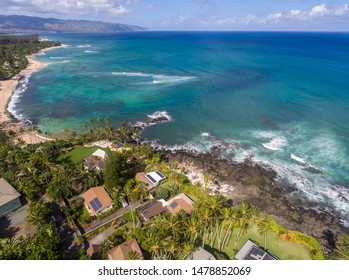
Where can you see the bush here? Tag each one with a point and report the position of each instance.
(162, 193)
(85, 217)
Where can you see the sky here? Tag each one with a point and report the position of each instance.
(196, 15)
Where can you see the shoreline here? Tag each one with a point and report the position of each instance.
(256, 185)
(7, 87)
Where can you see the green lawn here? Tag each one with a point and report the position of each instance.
(78, 153)
(283, 249)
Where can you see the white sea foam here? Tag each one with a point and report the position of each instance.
(156, 79)
(298, 159)
(17, 94)
(205, 134)
(91, 51)
(131, 74)
(276, 144)
(84, 46)
(310, 185)
(162, 79)
(41, 54)
(160, 115)
(57, 57)
(58, 62)
(155, 118)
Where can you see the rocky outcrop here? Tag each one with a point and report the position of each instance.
(258, 185)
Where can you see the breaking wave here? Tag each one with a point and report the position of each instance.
(21, 87)
(309, 182)
(155, 79)
(154, 118)
(84, 46)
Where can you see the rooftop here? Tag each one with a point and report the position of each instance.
(201, 254)
(180, 202)
(151, 210)
(251, 251)
(155, 177)
(97, 198)
(7, 192)
(99, 153)
(122, 252)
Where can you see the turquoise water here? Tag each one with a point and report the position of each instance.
(281, 97)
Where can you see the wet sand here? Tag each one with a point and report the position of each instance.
(6, 90)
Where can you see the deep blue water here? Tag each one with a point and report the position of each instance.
(281, 97)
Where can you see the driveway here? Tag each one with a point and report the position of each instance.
(14, 218)
(14, 223)
(99, 223)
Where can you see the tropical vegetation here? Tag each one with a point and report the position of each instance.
(13, 52)
(52, 173)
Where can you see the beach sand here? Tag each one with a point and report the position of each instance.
(6, 90)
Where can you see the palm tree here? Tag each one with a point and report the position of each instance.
(91, 123)
(124, 132)
(155, 247)
(171, 249)
(204, 215)
(233, 219)
(38, 213)
(243, 221)
(133, 255)
(171, 222)
(188, 248)
(264, 227)
(207, 179)
(191, 227)
(127, 190)
(342, 248)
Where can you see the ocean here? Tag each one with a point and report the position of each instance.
(280, 98)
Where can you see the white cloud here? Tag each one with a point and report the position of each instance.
(318, 14)
(319, 10)
(91, 8)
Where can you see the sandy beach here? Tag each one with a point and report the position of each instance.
(6, 90)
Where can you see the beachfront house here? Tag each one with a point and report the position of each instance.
(95, 161)
(9, 198)
(251, 251)
(151, 210)
(99, 154)
(97, 201)
(151, 179)
(125, 251)
(202, 255)
(179, 203)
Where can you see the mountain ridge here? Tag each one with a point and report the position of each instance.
(18, 23)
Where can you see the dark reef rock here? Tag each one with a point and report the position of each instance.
(259, 185)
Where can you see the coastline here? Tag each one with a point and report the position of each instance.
(249, 183)
(7, 88)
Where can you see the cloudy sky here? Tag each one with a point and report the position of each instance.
(284, 15)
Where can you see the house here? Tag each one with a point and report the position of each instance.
(151, 210)
(201, 254)
(9, 198)
(140, 177)
(93, 251)
(95, 161)
(151, 179)
(124, 251)
(97, 201)
(178, 203)
(99, 154)
(250, 251)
